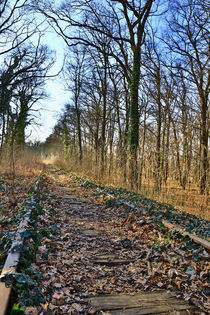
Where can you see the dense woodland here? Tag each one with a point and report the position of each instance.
(139, 81)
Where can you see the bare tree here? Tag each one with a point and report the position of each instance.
(17, 25)
(21, 86)
(123, 22)
(153, 82)
(189, 41)
(74, 79)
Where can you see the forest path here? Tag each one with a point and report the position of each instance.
(99, 263)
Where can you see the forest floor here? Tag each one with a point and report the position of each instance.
(90, 246)
(102, 248)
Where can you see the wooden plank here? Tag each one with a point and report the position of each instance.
(193, 237)
(142, 303)
(111, 260)
(70, 201)
(126, 300)
(137, 311)
(90, 233)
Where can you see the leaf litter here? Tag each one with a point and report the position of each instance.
(83, 228)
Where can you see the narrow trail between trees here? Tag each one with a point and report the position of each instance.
(101, 261)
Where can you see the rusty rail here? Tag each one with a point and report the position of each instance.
(13, 257)
(193, 237)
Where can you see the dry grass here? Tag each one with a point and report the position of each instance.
(185, 200)
(188, 200)
(53, 159)
(29, 164)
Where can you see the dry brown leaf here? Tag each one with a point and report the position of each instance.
(57, 295)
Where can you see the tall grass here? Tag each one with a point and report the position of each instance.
(25, 163)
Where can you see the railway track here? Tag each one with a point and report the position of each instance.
(101, 252)
(101, 261)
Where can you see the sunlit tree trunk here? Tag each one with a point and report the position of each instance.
(204, 143)
(111, 139)
(103, 127)
(142, 148)
(158, 177)
(79, 132)
(65, 142)
(166, 159)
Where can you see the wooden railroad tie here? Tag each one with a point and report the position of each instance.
(156, 302)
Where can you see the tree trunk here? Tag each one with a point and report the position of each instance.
(65, 142)
(79, 133)
(204, 146)
(177, 153)
(142, 148)
(103, 127)
(125, 142)
(185, 148)
(176, 143)
(158, 139)
(111, 139)
(21, 121)
(134, 123)
(166, 168)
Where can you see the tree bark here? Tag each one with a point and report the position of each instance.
(103, 127)
(158, 178)
(142, 148)
(134, 122)
(79, 132)
(204, 145)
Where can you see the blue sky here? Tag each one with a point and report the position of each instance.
(48, 110)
